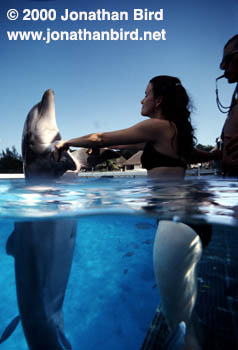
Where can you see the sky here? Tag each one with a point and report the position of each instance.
(99, 84)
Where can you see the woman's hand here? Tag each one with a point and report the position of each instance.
(59, 147)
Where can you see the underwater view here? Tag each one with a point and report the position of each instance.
(77, 261)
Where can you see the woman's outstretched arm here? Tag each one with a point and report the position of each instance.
(148, 130)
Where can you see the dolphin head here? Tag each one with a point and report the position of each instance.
(39, 136)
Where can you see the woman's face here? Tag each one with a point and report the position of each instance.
(148, 102)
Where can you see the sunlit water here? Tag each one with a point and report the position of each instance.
(111, 296)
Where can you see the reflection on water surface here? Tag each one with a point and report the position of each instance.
(213, 200)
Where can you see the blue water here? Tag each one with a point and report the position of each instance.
(111, 295)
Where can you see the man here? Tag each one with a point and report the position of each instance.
(229, 64)
(229, 150)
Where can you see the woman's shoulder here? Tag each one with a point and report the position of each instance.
(158, 123)
(153, 129)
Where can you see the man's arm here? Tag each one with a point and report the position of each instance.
(230, 154)
(232, 147)
(198, 156)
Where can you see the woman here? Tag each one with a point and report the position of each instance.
(166, 137)
(167, 140)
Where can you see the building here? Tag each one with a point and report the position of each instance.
(133, 163)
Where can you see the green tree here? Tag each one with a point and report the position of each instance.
(10, 161)
(206, 148)
(108, 165)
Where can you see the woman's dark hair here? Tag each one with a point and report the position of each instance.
(175, 107)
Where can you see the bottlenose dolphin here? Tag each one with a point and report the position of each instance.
(43, 250)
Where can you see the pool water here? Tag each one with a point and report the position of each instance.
(111, 295)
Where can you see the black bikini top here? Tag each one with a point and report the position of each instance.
(151, 158)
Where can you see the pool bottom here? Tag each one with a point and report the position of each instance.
(216, 308)
(111, 294)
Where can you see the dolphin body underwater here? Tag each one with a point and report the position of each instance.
(43, 250)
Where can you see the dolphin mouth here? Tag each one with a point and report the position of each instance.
(47, 101)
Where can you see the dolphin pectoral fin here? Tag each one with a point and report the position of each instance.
(89, 158)
(10, 329)
(10, 245)
(75, 161)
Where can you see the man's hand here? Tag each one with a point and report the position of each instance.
(232, 147)
(230, 154)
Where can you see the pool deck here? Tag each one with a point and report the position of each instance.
(130, 173)
(90, 174)
(11, 176)
(217, 300)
